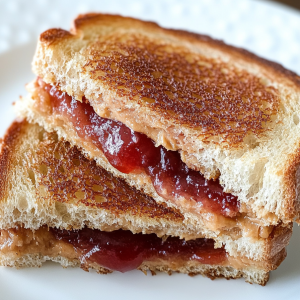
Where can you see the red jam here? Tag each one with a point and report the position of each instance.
(123, 251)
(129, 151)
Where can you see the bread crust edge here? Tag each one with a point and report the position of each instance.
(54, 35)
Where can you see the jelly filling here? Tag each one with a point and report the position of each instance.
(129, 151)
(123, 251)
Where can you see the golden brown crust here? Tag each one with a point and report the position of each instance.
(292, 186)
(83, 20)
(53, 35)
(171, 80)
(9, 142)
(94, 18)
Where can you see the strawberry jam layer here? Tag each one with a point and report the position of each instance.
(132, 152)
(123, 251)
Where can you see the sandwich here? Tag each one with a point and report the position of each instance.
(203, 129)
(58, 205)
(206, 128)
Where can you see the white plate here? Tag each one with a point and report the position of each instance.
(272, 31)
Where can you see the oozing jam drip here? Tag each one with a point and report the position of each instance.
(129, 151)
(123, 251)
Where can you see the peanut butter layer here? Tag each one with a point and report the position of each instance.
(17, 242)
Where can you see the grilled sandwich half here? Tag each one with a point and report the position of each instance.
(206, 128)
(55, 204)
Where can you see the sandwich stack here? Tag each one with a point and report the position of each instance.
(137, 135)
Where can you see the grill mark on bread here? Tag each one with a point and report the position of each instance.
(185, 87)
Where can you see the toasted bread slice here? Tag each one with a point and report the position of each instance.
(228, 112)
(46, 181)
(36, 260)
